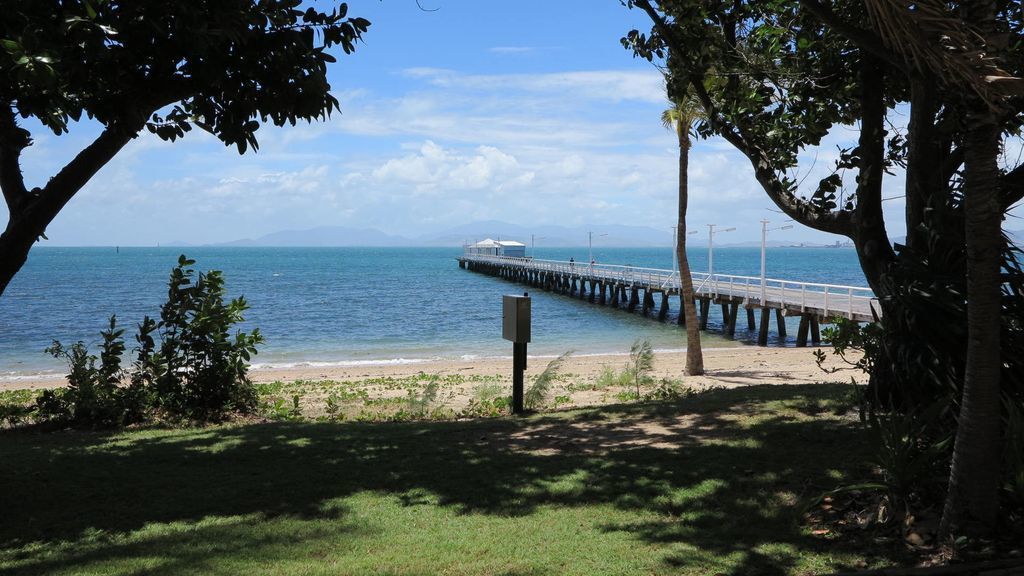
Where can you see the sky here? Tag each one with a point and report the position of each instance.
(528, 112)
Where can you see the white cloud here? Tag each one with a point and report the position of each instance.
(433, 169)
(600, 85)
(574, 148)
(512, 49)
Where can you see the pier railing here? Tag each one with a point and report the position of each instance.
(829, 299)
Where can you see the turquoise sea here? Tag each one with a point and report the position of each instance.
(360, 305)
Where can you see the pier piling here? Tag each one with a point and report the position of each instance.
(648, 302)
(733, 309)
(621, 286)
(801, 332)
(762, 334)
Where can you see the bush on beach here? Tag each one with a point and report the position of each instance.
(187, 366)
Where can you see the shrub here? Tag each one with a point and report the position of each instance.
(198, 370)
(94, 397)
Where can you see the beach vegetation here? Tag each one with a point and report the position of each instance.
(96, 395)
(488, 391)
(537, 394)
(283, 409)
(641, 363)
(669, 389)
(17, 407)
(420, 403)
(487, 407)
(774, 80)
(332, 405)
(188, 365)
(608, 378)
(627, 395)
(200, 369)
(161, 67)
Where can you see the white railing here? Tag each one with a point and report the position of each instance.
(829, 299)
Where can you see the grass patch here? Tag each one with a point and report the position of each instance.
(703, 485)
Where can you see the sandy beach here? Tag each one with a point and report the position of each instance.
(737, 366)
(734, 366)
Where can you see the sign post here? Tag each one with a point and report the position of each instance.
(516, 327)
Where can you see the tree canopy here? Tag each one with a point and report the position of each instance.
(225, 67)
(790, 72)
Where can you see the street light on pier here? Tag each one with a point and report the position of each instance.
(533, 243)
(711, 244)
(675, 250)
(764, 241)
(590, 243)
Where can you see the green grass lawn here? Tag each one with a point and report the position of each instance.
(711, 484)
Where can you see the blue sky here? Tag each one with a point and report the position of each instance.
(526, 112)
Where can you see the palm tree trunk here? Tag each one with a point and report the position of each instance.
(694, 355)
(972, 500)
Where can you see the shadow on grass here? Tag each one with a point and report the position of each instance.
(720, 472)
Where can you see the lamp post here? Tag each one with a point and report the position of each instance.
(711, 244)
(764, 241)
(675, 251)
(590, 243)
(533, 244)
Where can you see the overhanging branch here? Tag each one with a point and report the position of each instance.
(1012, 187)
(66, 183)
(62, 187)
(833, 222)
(864, 39)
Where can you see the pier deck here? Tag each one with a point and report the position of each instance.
(631, 287)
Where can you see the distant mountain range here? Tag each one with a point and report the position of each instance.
(546, 236)
(324, 236)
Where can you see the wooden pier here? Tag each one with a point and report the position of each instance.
(649, 290)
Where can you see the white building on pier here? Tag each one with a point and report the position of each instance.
(489, 247)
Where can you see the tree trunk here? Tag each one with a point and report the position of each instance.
(869, 235)
(924, 179)
(32, 211)
(15, 243)
(972, 501)
(694, 355)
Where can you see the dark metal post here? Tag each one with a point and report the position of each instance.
(516, 327)
(518, 365)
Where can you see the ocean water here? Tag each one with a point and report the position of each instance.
(361, 305)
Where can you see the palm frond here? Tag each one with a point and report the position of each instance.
(935, 42)
(538, 392)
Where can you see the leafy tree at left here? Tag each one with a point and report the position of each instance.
(225, 67)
